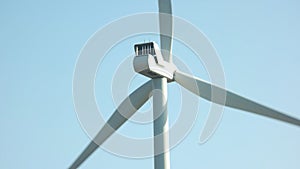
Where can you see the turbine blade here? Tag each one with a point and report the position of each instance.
(205, 89)
(166, 28)
(126, 109)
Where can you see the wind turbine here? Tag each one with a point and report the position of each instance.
(156, 63)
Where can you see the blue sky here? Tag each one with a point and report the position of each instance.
(257, 42)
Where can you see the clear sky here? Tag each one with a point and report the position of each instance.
(258, 44)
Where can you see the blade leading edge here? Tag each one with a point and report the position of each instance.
(205, 89)
(128, 107)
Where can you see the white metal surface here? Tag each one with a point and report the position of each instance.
(126, 109)
(229, 99)
(166, 28)
(150, 62)
(160, 124)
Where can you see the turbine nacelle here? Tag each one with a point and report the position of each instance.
(149, 62)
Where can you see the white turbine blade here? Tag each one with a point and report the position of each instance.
(126, 109)
(204, 90)
(166, 28)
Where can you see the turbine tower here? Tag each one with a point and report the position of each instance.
(156, 63)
